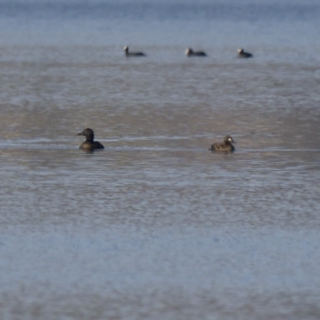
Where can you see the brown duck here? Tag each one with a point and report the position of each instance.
(225, 146)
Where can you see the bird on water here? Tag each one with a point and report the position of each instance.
(225, 146)
(244, 54)
(190, 53)
(132, 54)
(89, 144)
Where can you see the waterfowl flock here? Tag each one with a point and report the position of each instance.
(90, 145)
(189, 53)
(226, 146)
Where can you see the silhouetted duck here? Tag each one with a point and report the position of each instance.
(225, 146)
(190, 53)
(244, 54)
(89, 144)
(132, 54)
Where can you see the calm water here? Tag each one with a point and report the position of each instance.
(155, 226)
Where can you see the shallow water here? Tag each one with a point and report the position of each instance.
(155, 226)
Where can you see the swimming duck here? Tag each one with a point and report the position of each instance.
(190, 53)
(225, 146)
(244, 54)
(132, 54)
(89, 144)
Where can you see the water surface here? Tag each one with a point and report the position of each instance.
(155, 226)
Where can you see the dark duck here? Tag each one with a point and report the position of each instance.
(89, 144)
(190, 53)
(244, 54)
(132, 54)
(225, 146)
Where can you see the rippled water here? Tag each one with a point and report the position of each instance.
(155, 226)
